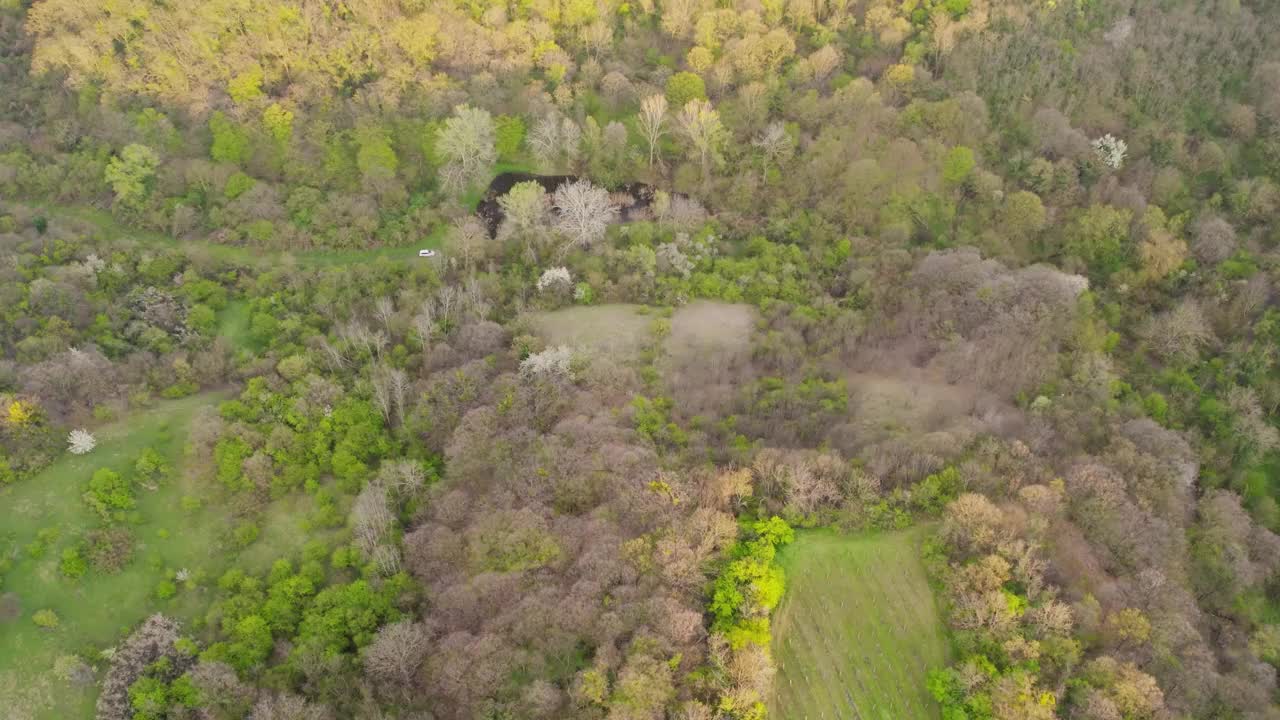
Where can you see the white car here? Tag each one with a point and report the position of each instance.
(426, 253)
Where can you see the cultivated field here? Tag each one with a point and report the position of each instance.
(857, 630)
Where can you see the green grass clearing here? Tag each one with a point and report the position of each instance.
(96, 609)
(233, 324)
(112, 229)
(858, 629)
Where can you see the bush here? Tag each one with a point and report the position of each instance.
(109, 493)
(47, 619)
(110, 549)
(151, 466)
(245, 534)
(73, 565)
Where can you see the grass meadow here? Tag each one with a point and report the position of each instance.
(857, 630)
(97, 609)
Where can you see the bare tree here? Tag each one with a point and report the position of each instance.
(385, 310)
(1179, 333)
(371, 517)
(390, 387)
(335, 357)
(386, 558)
(397, 652)
(584, 212)
(399, 382)
(447, 303)
(286, 706)
(381, 382)
(653, 121)
(555, 141)
(403, 476)
(774, 143)
(474, 301)
(424, 323)
(468, 237)
(467, 142)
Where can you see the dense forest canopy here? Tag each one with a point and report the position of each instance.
(999, 271)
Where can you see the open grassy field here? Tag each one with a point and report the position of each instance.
(618, 329)
(857, 630)
(96, 609)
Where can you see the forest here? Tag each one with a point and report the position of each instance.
(639, 359)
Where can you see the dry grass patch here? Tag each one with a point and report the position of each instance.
(708, 354)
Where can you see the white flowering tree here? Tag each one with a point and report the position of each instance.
(555, 278)
(550, 363)
(1112, 150)
(80, 442)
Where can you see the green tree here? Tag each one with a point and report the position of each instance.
(683, 87)
(345, 617)
(237, 185)
(246, 87)
(1023, 214)
(230, 141)
(130, 173)
(374, 155)
(278, 122)
(1100, 237)
(958, 166)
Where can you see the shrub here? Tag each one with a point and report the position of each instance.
(109, 493)
(110, 549)
(151, 466)
(46, 618)
(245, 534)
(73, 565)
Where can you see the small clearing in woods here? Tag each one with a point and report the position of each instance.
(910, 400)
(614, 329)
(708, 354)
(711, 327)
(858, 630)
